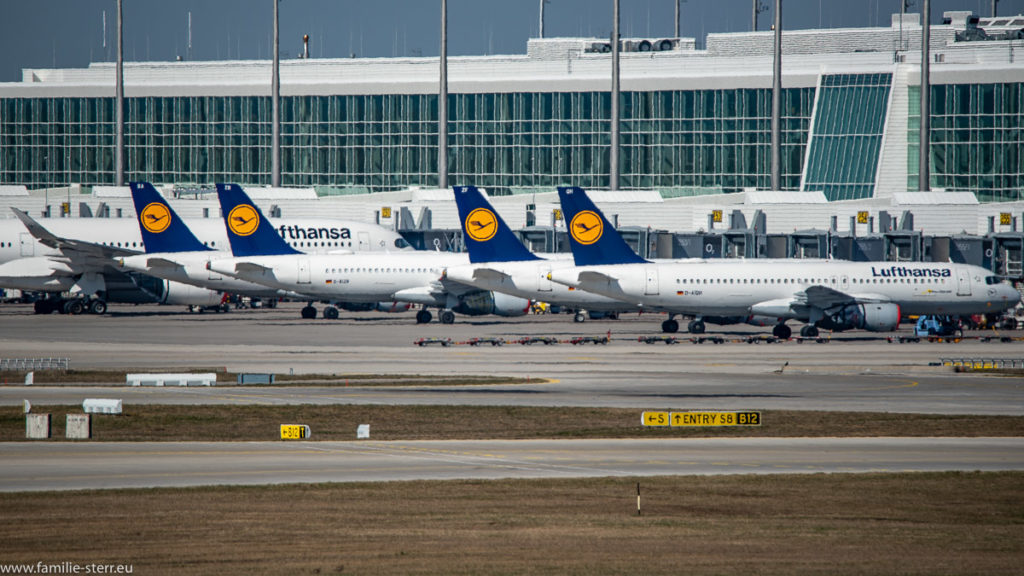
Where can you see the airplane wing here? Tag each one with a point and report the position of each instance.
(824, 297)
(79, 253)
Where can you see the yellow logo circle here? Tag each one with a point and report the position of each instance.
(243, 220)
(586, 227)
(481, 225)
(155, 217)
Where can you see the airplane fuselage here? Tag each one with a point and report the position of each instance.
(774, 287)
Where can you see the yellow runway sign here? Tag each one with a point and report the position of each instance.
(701, 419)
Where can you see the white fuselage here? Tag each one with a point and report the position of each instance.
(345, 277)
(774, 287)
(27, 264)
(529, 279)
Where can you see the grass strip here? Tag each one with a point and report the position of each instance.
(339, 422)
(908, 524)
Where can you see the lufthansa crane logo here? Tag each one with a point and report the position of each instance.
(243, 220)
(481, 225)
(155, 217)
(586, 227)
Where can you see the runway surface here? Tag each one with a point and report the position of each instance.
(51, 466)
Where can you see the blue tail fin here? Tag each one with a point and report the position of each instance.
(249, 231)
(487, 237)
(162, 230)
(592, 238)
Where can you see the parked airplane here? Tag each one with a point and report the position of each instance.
(378, 279)
(829, 294)
(47, 262)
(174, 253)
(500, 262)
(79, 255)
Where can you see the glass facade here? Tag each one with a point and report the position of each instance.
(848, 128)
(670, 139)
(977, 139)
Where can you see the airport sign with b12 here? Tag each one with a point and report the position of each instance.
(701, 419)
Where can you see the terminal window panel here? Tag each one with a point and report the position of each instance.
(847, 137)
(977, 139)
(712, 139)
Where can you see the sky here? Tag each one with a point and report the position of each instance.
(70, 33)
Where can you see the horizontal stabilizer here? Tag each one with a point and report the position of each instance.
(252, 268)
(163, 263)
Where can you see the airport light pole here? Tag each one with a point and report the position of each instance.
(442, 104)
(613, 180)
(119, 104)
(275, 106)
(777, 101)
(542, 3)
(923, 172)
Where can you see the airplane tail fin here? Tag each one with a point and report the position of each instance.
(162, 229)
(249, 232)
(487, 237)
(593, 239)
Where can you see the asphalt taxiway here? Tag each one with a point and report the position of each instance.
(172, 464)
(849, 372)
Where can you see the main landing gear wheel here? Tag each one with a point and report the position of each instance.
(696, 327)
(74, 307)
(331, 313)
(670, 326)
(308, 312)
(579, 317)
(98, 307)
(424, 317)
(809, 331)
(782, 332)
(447, 317)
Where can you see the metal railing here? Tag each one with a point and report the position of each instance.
(18, 364)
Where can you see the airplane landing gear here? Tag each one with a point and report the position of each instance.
(447, 317)
(331, 313)
(308, 312)
(424, 317)
(809, 331)
(670, 326)
(782, 332)
(580, 316)
(696, 327)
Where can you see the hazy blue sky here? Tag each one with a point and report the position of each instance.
(69, 33)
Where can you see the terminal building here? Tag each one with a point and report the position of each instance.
(361, 133)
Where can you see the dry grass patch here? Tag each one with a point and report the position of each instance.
(339, 422)
(948, 523)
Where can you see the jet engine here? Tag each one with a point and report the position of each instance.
(882, 317)
(481, 303)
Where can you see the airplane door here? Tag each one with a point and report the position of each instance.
(303, 271)
(210, 274)
(28, 244)
(652, 281)
(364, 240)
(544, 284)
(963, 282)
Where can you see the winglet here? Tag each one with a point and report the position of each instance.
(593, 239)
(249, 232)
(37, 230)
(162, 229)
(487, 237)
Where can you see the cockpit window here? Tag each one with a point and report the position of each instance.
(401, 244)
(990, 280)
